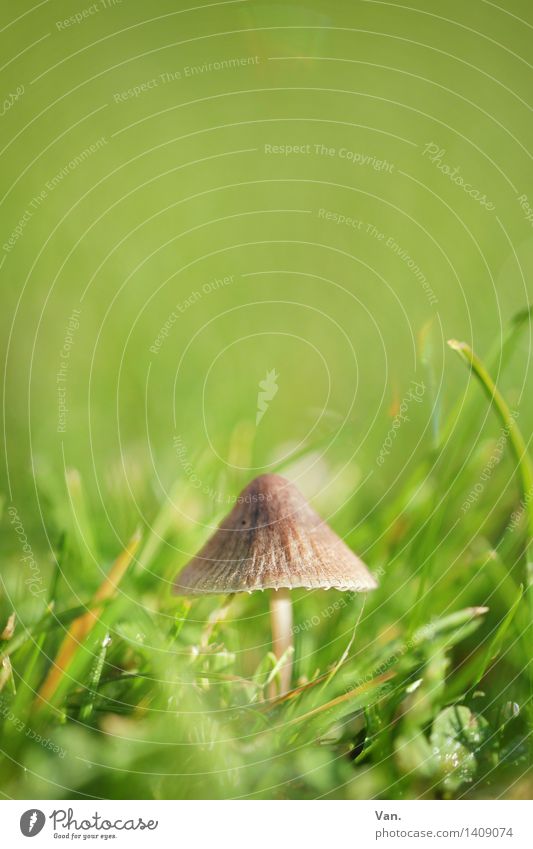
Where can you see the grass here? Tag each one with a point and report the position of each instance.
(112, 688)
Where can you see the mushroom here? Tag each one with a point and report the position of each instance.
(273, 540)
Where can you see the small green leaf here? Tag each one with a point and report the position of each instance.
(457, 738)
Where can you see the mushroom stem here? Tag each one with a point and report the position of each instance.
(281, 619)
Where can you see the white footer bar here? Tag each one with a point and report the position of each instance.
(269, 824)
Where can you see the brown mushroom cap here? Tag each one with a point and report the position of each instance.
(272, 539)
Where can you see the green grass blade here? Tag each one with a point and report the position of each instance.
(81, 520)
(87, 705)
(523, 461)
(495, 645)
(516, 440)
(498, 359)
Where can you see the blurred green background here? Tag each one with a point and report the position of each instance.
(182, 191)
(193, 197)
